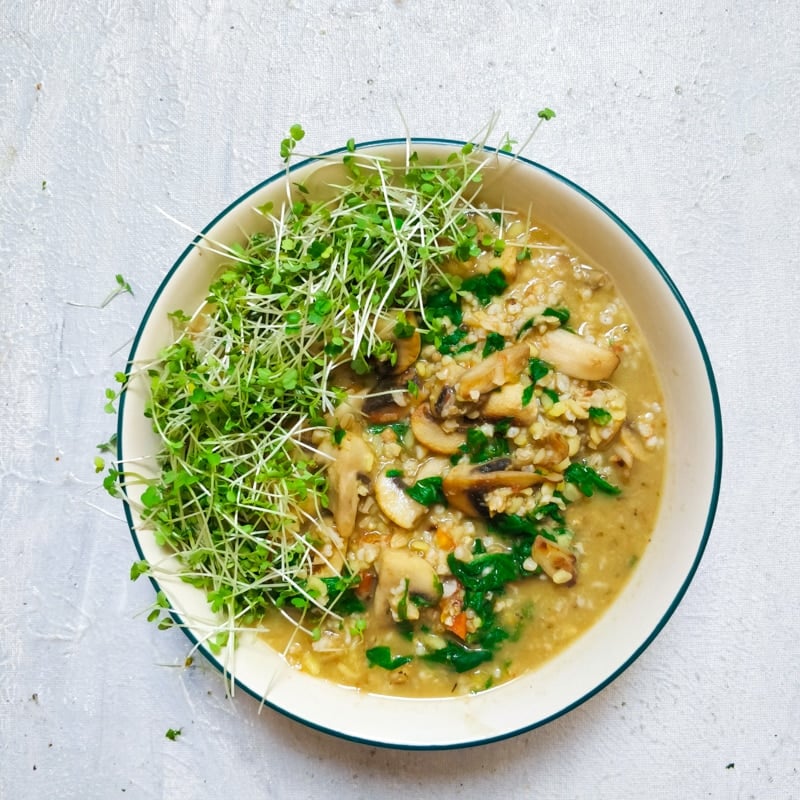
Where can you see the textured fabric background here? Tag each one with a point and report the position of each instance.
(683, 117)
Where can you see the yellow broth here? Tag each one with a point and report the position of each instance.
(541, 612)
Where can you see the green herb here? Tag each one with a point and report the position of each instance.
(109, 446)
(458, 657)
(526, 327)
(551, 393)
(537, 369)
(485, 287)
(338, 434)
(443, 303)
(599, 415)
(402, 603)
(173, 733)
(341, 593)
(382, 657)
(508, 144)
(501, 426)
(479, 447)
(123, 287)
(587, 480)
(450, 341)
(403, 329)
(412, 388)
(494, 343)
(524, 254)
(427, 491)
(288, 145)
(527, 394)
(394, 473)
(400, 428)
(551, 509)
(484, 580)
(546, 114)
(486, 572)
(358, 627)
(514, 524)
(561, 314)
(139, 568)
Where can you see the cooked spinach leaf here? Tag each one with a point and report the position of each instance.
(599, 415)
(479, 447)
(587, 480)
(485, 287)
(561, 314)
(382, 657)
(460, 658)
(427, 491)
(494, 343)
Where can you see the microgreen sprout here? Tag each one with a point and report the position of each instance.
(123, 287)
(243, 400)
(296, 134)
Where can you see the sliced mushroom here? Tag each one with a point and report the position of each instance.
(577, 357)
(507, 402)
(443, 405)
(406, 350)
(381, 404)
(394, 568)
(395, 502)
(466, 485)
(352, 461)
(559, 565)
(435, 466)
(494, 371)
(429, 433)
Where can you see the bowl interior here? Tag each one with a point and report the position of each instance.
(660, 579)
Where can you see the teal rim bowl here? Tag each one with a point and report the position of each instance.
(663, 574)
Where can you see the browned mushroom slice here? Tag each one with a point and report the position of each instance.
(559, 565)
(466, 485)
(381, 404)
(407, 352)
(443, 404)
(507, 402)
(352, 460)
(504, 366)
(429, 433)
(406, 349)
(396, 503)
(403, 575)
(577, 357)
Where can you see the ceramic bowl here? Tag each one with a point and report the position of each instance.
(660, 579)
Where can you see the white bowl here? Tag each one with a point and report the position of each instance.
(664, 572)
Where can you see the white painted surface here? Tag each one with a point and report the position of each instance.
(684, 120)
